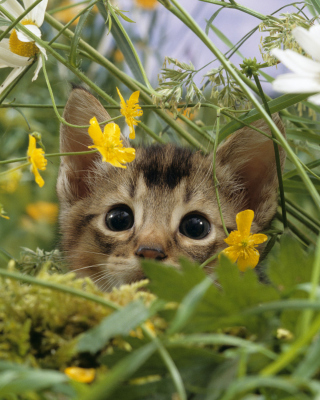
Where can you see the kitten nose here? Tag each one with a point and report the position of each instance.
(156, 253)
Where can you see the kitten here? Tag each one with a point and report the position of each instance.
(163, 205)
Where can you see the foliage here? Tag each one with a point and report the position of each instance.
(182, 337)
(238, 338)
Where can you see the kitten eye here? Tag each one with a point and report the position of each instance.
(119, 219)
(194, 226)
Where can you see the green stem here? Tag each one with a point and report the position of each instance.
(304, 176)
(301, 235)
(62, 288)
(129, 82)
(303, 212)
(18, 19)
(239, 8)
(9, 171)
(208, 261)
(215, 179)
(9, 89)
(305, 221)
(294, 350)
(62, 120)
(58, 9)
(132, 48)
(315, 277)
(277, 156)
(173, 370)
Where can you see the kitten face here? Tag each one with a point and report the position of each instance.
(162, 206)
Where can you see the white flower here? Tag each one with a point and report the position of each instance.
(306, 72)
(18, 51)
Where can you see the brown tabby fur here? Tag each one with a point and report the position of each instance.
(161, 186)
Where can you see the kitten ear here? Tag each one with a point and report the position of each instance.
(80, 108)
(247, 170)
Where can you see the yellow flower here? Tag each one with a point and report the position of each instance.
(83, 375)
(3, 213)
(147, 4)
(43, 211)
(242, 243)
(109, 144)
(130, 111)
(37, 160)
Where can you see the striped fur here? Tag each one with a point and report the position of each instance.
(161, 186)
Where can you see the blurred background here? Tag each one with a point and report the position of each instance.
(156, 33)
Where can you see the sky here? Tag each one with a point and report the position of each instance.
(167, 36)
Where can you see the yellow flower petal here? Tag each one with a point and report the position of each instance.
(257, 238)
(242, 243)
(109, 145)
(248, 259)
(244, 221)
(130, 110)
(37, 160)
(232, 253)
(83, 375)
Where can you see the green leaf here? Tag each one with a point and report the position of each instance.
(188, 305)
(17, 380)
(311, 362)
(275, 105)
(224, 38)
(103, 389)
(180, 282)
(290, 266)
(77, 35)
(316, 5)
(118, 323)
(122, 43)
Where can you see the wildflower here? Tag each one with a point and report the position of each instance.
(83, 375)
(43, 211)
(18, 51)
(306, 72)
(130, 111)
(242, 243)
(3, 213)
(147, 4)
(37, 160)
(109, 144)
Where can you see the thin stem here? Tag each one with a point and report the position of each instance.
(215, 179)
(306, 240)
(305, 221)
(129, 82)
(132, 48)
(173, 370)
(303, 212)
(62, 120)
(208, 261)
(9, 171)
(293, 351)
(18, 19)
(304, 176)
(62, 288)
(315, 277)
(277, 156)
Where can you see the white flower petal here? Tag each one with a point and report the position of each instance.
(33, 29)
(309, 40)
(37, 13)
(36, 72)
(9, 59)
(294, 83)
(315, 99)
(11, 77)
(296, 62)
(43, 51)
(13, 8)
